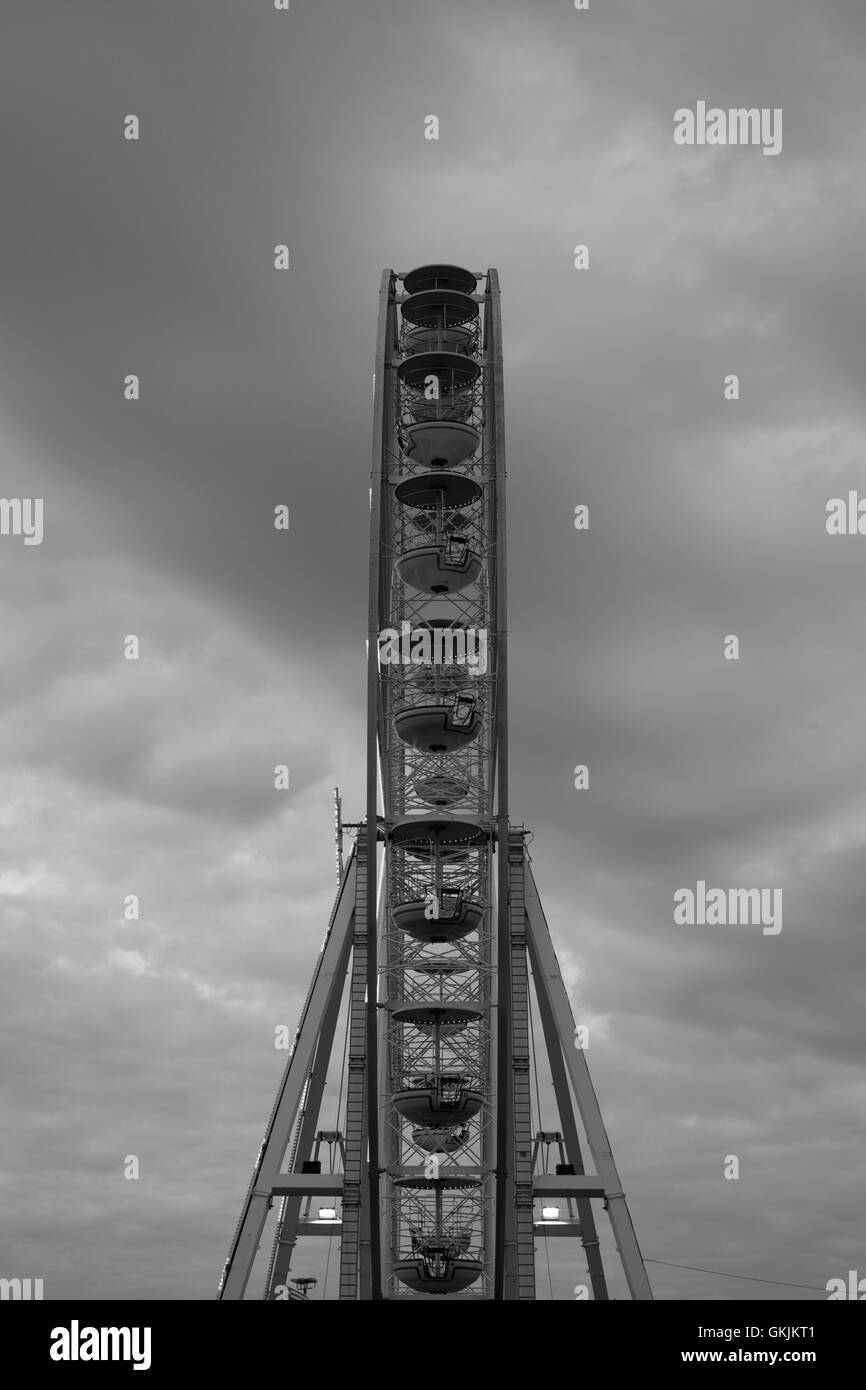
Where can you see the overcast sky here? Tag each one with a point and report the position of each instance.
(707, 518)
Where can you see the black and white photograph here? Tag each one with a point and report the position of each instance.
(432, 573)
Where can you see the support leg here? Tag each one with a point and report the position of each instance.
(549, 984)
(356, 1196)
(330, 976)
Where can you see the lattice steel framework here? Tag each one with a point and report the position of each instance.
(438, 1179)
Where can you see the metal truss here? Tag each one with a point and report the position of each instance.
(435, 1168)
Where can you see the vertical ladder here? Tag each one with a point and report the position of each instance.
(356, 1206)
(520, 1251)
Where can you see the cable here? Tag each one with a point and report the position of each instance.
(782, 1283)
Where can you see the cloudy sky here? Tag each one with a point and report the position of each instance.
(154, 1037)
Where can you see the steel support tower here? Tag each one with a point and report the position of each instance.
(438, 941)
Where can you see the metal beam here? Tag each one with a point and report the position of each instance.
(307, 1185)
(519, 1254)
(550, 1185)
(330, 975)
(381, 418)
(565, 1110)
(548, 980)
(361, 1079)
(546, 1229)
(284, 1240)
(494, 430)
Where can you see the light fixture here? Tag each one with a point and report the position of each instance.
(550, 1213)
(330, 1213)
